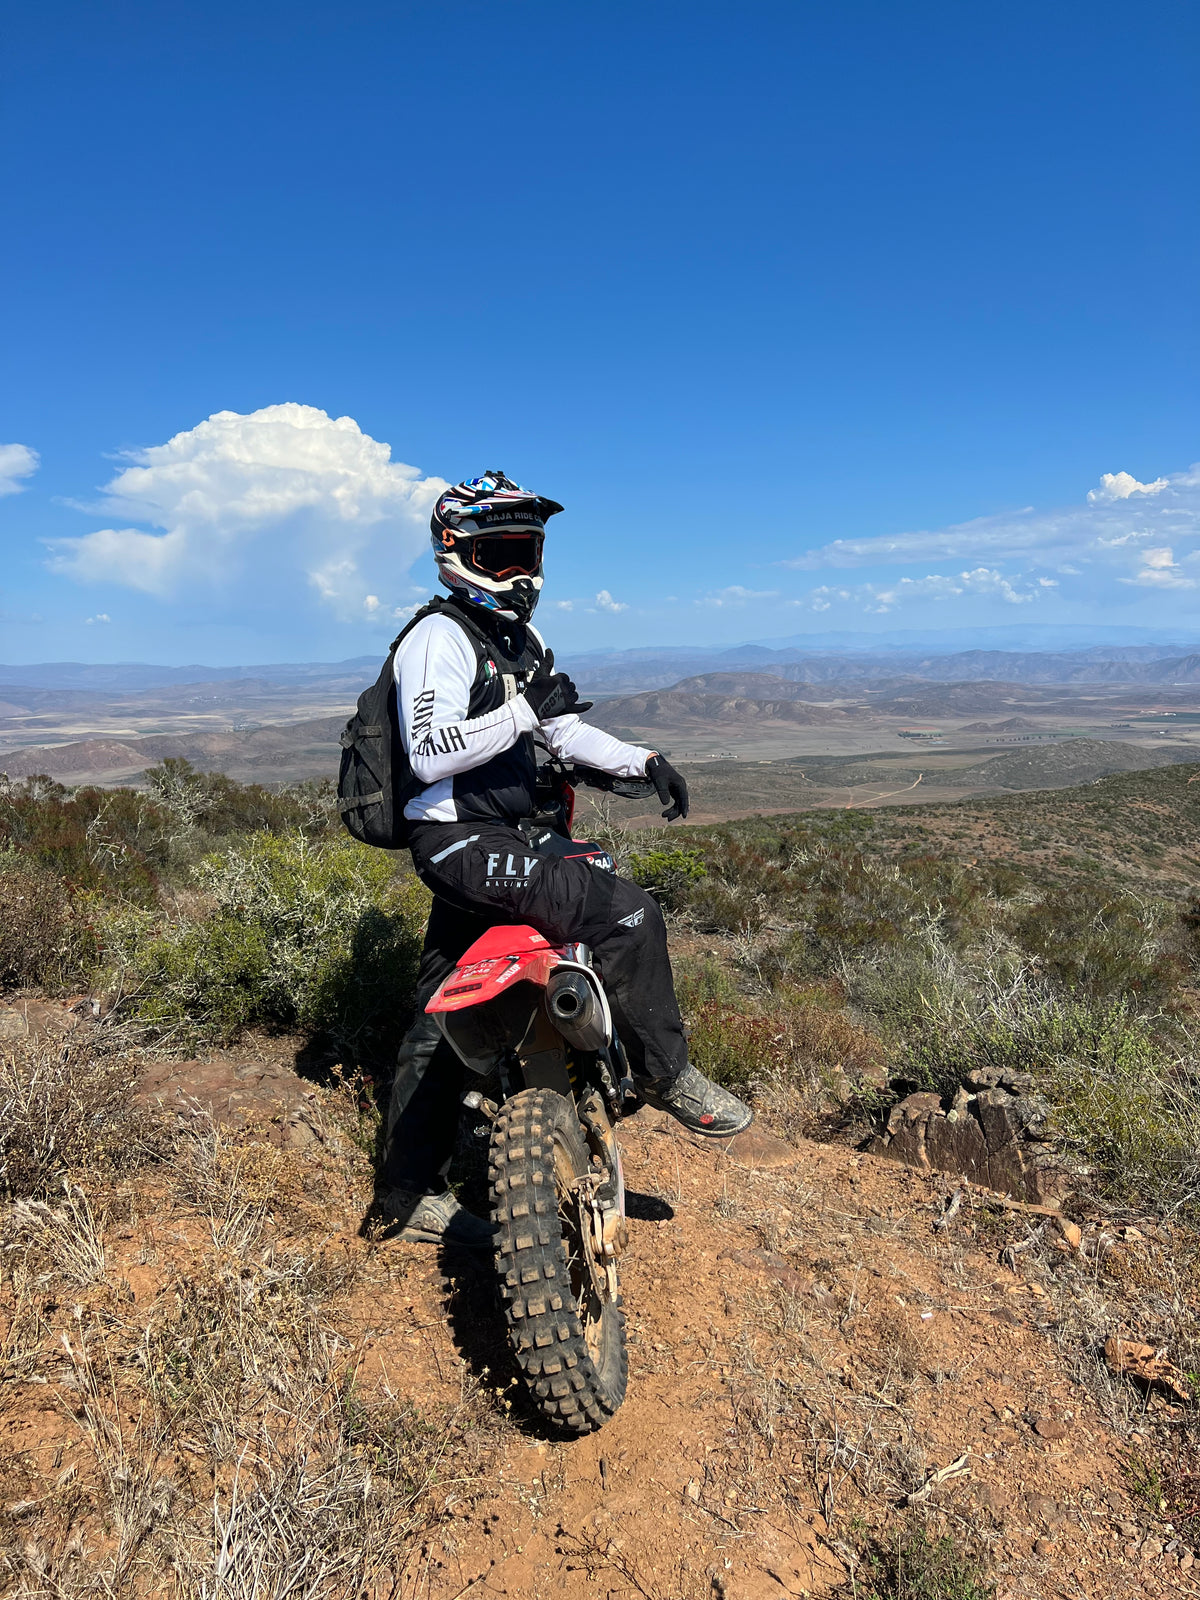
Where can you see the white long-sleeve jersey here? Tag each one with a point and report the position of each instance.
(482, 767)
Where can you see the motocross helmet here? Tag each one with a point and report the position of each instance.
(487, 539)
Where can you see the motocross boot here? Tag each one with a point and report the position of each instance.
(699, 1104)
(435, 1219)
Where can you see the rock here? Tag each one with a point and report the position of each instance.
(1151, 1549)
(13, 1024)
(1050, 1428)
(990, 1137)
(1032, 1112)
(299, 1132)
(870, 1075)
(1143, 1361)
(985, 1077)
(914, 1108)
(1072, 1233)
(997, 1111)
(960, 1147)
(769, 1265)
(1018, 1082)
(1044, 1510)
(756, 1148)
(1043, 1547)
(849, 1083)
(992, 1497)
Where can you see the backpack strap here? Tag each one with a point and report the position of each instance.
(443, 605)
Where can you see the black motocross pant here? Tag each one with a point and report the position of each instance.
(486, 873)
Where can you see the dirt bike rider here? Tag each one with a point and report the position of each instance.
(468, 726)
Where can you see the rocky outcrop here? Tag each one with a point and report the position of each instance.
(994, 1132)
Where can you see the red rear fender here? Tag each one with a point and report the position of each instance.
(502, 957)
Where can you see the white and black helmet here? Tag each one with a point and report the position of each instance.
(487, 539)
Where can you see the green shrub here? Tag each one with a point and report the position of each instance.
(321, 936)
(1124, 1087)
(115, 841)
(831, 898)
(667, 872)
(217, 806)
(1103, 943)
(124, 844)
(45, 938)
(700, 980)
(1132, 1112)
(1023, 1029)
(920, 1566)
(715, 906)
(739, 886)
(806, 1038)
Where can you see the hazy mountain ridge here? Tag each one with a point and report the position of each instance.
(1101, 665)
(940, 653)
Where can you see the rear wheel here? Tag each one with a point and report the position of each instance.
(565, 1323)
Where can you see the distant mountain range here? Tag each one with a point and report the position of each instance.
(133, 677)
(616, 675)
(1029, 654)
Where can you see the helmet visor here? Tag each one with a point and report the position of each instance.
(505, 555)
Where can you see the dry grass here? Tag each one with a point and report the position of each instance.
(218, 1440)
(67, 1106)
(311, 1491)
(64, 1237)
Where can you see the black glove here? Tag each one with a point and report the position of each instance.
(552, 694)
(671, 786)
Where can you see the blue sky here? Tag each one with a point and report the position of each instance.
(815, 317)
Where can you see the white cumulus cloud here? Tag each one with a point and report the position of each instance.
(881, 598)
(17, 461)
(598, 603)
(736, 595)
(1103, 530)
(1160, 570)
(1121, 485)
(286, 491)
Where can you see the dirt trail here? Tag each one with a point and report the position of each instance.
(799, 1334)
(806, 1351)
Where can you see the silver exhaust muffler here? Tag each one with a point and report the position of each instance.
(577, 1009)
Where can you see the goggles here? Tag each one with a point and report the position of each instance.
(504, 555)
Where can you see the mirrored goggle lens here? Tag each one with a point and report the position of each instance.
(506, 555)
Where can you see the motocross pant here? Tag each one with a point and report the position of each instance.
(485, 873)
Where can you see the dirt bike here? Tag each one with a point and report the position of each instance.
(534, 1017)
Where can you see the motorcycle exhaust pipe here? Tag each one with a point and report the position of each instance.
(576, 1011)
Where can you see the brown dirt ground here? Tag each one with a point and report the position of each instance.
(805, 1349)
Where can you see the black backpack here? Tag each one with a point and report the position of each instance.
(375, 781)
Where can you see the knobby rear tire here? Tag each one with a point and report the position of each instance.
(569, 1344)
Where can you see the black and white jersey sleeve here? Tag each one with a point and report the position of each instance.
(435, 669)
(572, 739)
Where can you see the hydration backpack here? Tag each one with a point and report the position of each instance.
(375, 781)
